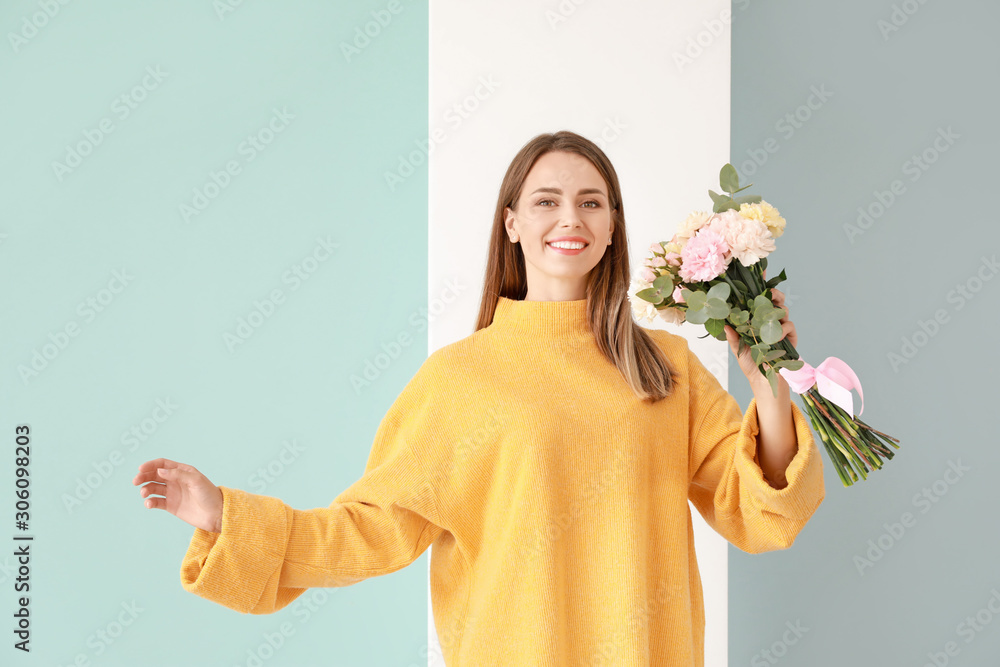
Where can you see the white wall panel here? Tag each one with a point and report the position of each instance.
(649, 82)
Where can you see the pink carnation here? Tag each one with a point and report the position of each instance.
(749, 240)
(704, 257)
(723, 223)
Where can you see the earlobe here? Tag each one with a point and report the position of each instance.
(509, 228)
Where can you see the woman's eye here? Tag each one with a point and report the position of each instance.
(595, 203)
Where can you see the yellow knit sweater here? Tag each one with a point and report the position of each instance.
(556, 502)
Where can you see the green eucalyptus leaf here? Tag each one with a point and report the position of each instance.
(774, 354)
(772, 379)
(725, 205)
(699, 316)
(770, 332)
(719, 291)
(758, 351)
(717, 308)
(716, 327)
(748, 199)
(665, 284)
(650, 294)
(791, 364)
(694, 300)
(761, 305)
(737, 316)
(729, 180)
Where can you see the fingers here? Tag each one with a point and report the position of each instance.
(156, 503)
(155, 487)
(787, 327)
(162, 463)
(148, 491)
(732, 338)
(156, 481)
(148, 470)
(151, 501)
(778, 299)
(150, 476)
(788, 331)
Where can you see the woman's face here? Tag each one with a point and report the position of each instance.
(563, 196)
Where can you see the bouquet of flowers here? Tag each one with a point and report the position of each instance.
(712, 273)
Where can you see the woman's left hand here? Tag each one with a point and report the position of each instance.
(745, 360)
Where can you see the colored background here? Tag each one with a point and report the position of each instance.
(121, 306)
(897, 74)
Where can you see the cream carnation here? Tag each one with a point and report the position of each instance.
(691, 224)
(767, 214)
(751, 243)
(671, 315)
(641, 308)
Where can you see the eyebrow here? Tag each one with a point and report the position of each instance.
(584, 191)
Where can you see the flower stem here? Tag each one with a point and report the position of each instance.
(830, 420)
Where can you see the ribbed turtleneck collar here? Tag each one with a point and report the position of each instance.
(542, 318)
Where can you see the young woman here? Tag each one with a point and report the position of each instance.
(548, 457)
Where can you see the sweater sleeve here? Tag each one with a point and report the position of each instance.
(268, 553)
(727, 484)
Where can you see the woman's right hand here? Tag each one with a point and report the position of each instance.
(188, 494)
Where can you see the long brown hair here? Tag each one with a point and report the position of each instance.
(626, 344)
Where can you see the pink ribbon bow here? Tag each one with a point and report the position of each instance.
(833, 378)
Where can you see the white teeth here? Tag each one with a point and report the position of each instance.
(568, 245)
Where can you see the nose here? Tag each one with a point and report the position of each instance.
(571, 219)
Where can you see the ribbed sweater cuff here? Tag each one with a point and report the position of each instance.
(805, 490)
(235, 567)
